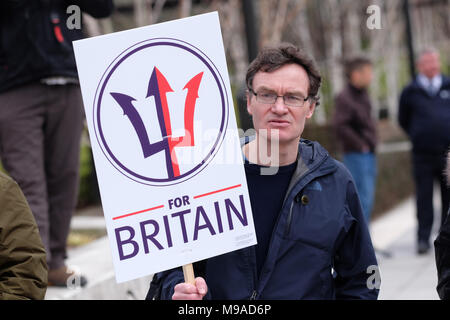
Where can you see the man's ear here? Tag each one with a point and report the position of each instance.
(248, 98)
(311, 108)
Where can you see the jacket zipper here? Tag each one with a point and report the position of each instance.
(257, 279)
(289, 218)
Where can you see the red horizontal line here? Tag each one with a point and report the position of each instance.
(217, 191)
(137, 212)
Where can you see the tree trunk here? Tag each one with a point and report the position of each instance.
(377, 42)
(334, 56)
(237, 45)
(91, 26)
(392, 58)
(351, 27)
(107, 25)
(279, 23)
(302, 25)
(185, 8)
(140, 12)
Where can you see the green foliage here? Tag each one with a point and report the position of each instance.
(326, 97)
(88, 188)
(394, 181)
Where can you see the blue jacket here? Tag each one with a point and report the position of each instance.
(320, 246)
(426, 118)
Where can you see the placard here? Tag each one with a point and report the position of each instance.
(165, 142)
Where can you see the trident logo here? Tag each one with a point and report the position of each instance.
(158, 87)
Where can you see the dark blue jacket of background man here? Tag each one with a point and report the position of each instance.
(426, 118)
(319, 249)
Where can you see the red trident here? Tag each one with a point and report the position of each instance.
(187, 140)
(158, 87)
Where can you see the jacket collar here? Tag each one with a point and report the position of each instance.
(444, 85)
(311, 158)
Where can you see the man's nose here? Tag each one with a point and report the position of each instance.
(279, 106)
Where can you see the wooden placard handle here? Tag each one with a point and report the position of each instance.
(188, 272)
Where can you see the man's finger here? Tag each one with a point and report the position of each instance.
(179, 296)
(200, 283)
(186, 288)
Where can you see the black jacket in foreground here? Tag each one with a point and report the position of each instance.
(442, 252)
(35, 41)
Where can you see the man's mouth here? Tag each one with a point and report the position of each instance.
(278, 123)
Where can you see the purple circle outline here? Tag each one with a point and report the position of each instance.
(224, 123)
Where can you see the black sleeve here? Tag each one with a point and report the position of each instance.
(96, 8)
(442, 254)
(404, 112)
(12, 5)
(163, 283)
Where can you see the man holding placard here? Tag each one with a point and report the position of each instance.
(313, 242)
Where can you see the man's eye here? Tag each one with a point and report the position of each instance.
(266, 95)
(294, 98)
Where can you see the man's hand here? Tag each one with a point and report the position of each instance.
(187, 291)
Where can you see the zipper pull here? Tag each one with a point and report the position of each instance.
(254, 294)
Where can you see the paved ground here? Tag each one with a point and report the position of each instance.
(404, 275)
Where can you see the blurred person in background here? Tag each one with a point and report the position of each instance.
(23, 269)
(41, 114)
(356, 130)
(424, 114)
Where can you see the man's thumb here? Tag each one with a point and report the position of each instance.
(200, 283)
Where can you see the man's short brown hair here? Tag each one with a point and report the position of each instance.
(354, 64)
(273, 58)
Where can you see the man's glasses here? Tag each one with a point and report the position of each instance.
(290, 100)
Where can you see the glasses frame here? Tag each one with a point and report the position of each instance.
(284, 99)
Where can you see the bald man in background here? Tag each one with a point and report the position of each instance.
(424, 114)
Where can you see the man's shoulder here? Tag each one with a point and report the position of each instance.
(346, 99)
(345, 93)
(445, 81)
(5, 180)
(412, 85)
(342, 170)
(318, 153)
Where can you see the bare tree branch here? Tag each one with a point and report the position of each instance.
(159, 5)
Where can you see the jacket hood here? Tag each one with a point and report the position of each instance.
(312, 159)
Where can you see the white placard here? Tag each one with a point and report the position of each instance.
(165, 143)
